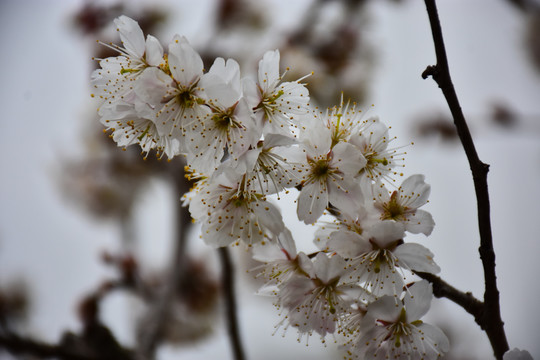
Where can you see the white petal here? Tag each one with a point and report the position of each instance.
(269, 216)
(328, 269)
(415, 190)
(312, 202)
(418, 300)
(417, 258)
(385, 309)
(131, 35)
(348, 244)
(269, 69)
(386, 232)
(345, 195)
(439, 338)
(420, 222)
(185, 63)
(154, 51)
(347, 159)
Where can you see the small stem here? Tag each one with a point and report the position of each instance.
(230, 303)
(490, 321)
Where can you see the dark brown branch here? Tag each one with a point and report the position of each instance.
(230, 303)
(18, 345)
(89, 346)
(491, 321)
(466, 300)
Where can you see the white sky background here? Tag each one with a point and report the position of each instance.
(54, 246)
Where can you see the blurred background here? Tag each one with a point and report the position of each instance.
(88, 232)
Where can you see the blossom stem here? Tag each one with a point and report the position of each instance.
(230, 303)
(490, 321)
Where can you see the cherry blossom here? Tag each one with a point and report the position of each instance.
(276, 103)
(394, 330)
(327, 174)
(402, 205)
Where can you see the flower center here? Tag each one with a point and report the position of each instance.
(319, 169)
(186, 99)
(393, 210)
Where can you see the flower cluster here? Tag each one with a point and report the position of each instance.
(245, 139)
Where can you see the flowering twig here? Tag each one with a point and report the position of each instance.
(490, 320)
(230, 303)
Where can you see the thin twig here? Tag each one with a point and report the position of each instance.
(230, 303)
(490, 321)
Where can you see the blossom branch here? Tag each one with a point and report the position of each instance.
(230, 303)
(490, 320)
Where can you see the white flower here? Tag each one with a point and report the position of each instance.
(318, 303)
(275, 102)
(402, 205)
(281, 262)
(379, 256)
(394, 330)
(230, 213)
(372, 139)
(121, 111)
(327, 175)
(229, 125)
(173, 95)
(344, 121)
(267, 166)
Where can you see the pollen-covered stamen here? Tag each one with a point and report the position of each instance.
(319, 169)
(339, 133)
(393, 210)
(224, 120)
(145, 132)
(270, 172)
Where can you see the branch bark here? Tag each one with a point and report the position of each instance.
(490, 320)
(466, 300)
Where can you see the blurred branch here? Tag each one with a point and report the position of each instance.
(490, 320)
(230, 303)
(16, 344)
(153, 331)
(525, 5)
(96, 343)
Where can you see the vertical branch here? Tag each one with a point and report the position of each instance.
(152, 334)
(230, 303)
(490, 320)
